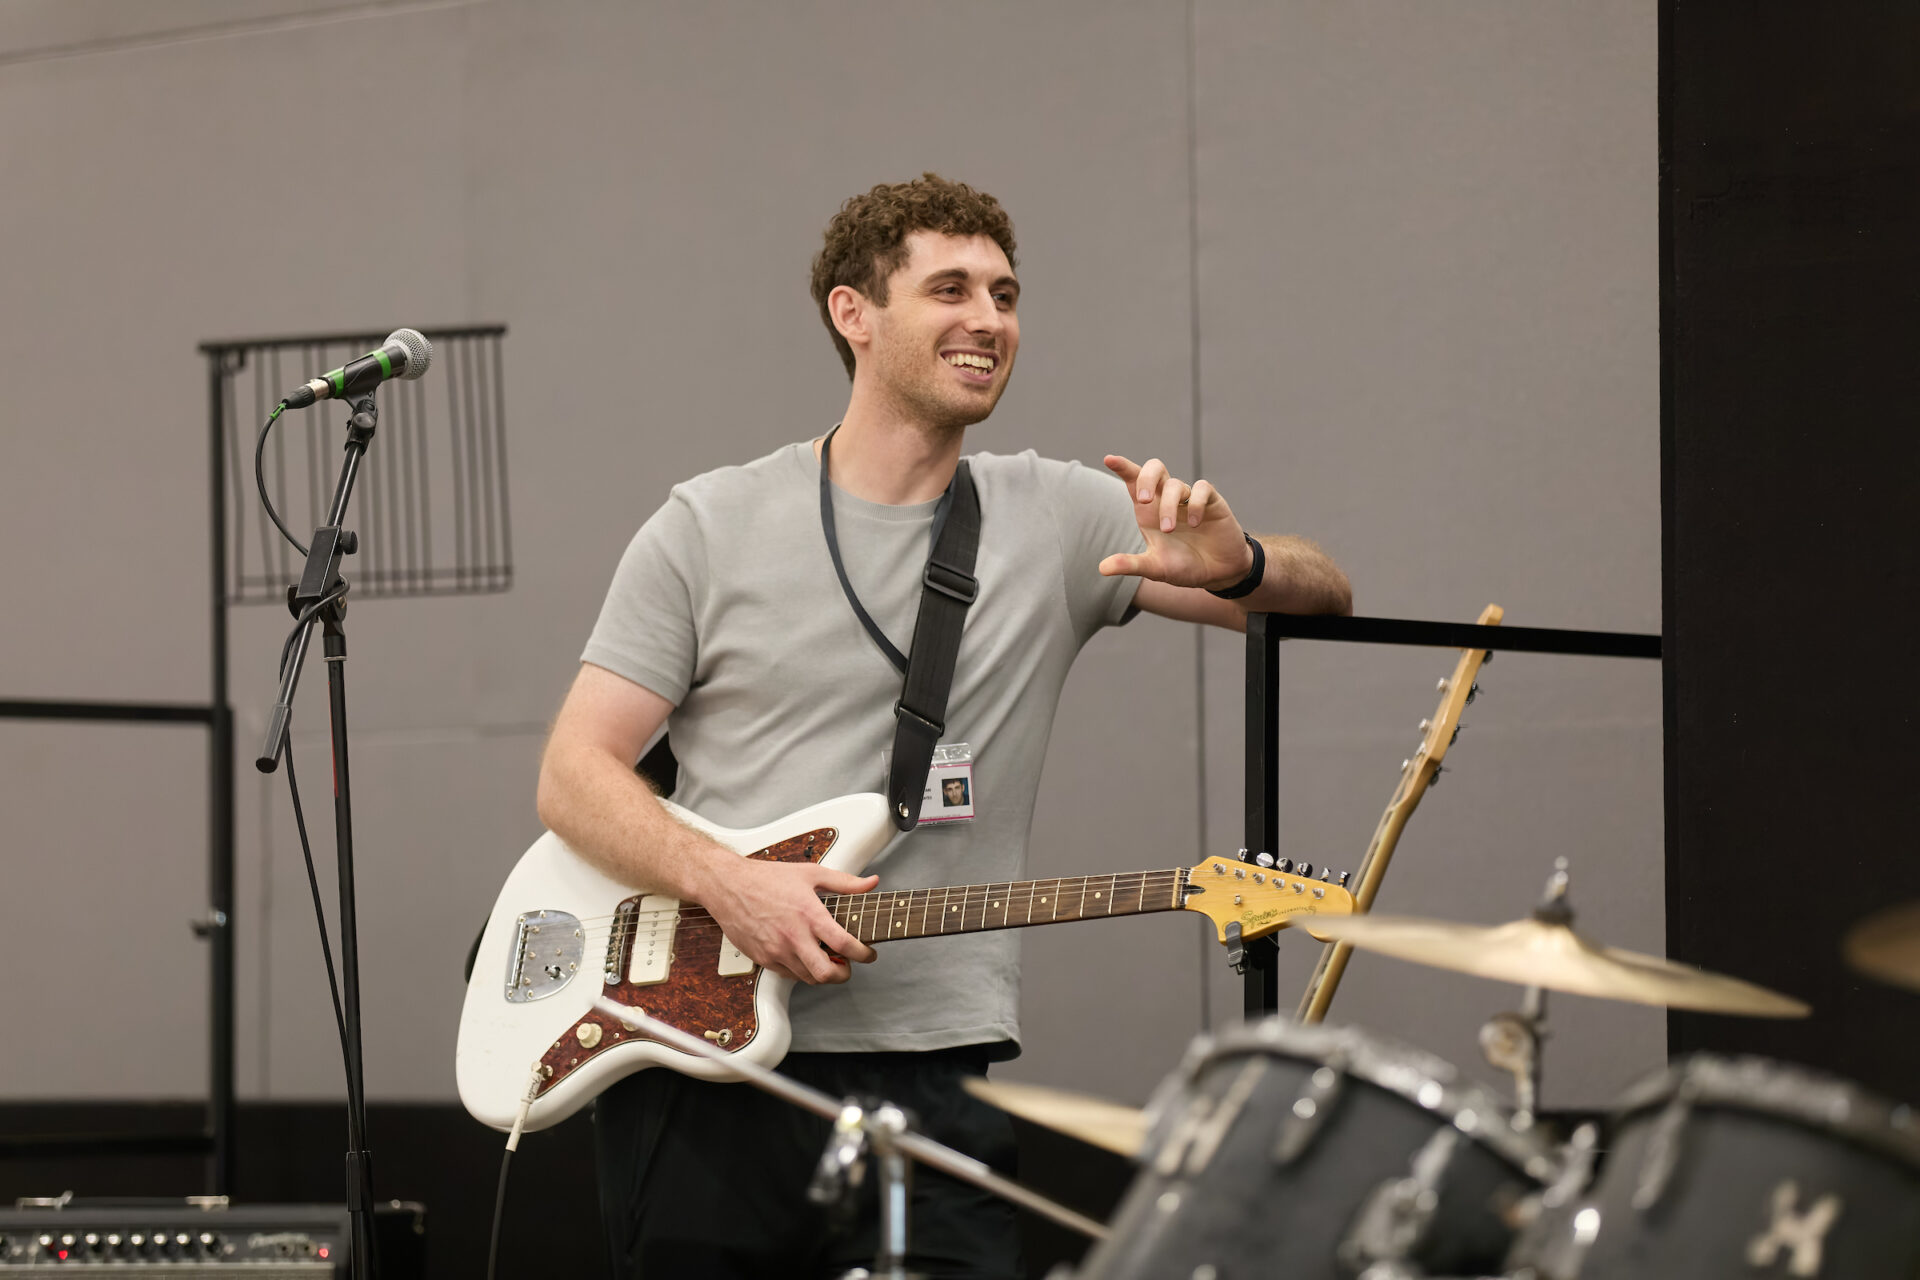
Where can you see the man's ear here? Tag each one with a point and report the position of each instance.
(851, 313)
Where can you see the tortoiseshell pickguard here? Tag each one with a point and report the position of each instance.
(694, 997)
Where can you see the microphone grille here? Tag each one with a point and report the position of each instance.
(419, 351)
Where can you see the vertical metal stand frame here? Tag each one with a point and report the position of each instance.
(1265, 631)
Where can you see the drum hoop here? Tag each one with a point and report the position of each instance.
(1785, 1091)
(1428, 1082)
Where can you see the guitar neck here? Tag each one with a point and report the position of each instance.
(971, 908)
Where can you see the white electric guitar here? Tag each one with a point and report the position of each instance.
(563, 934)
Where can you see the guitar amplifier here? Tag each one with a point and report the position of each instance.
(202, 1238)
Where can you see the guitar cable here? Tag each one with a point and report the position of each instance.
(506, 1162)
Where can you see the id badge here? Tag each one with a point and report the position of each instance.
(949, 796)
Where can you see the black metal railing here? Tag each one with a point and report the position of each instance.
(1265, 631)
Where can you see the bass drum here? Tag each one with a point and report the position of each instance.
(1313, 1152)
(1739, 1167)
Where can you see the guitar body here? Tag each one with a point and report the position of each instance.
(563, 933)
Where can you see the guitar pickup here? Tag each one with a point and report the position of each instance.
(653, 926)
(733, 961)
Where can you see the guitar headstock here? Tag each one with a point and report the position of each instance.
(1261, 900)
(1456, 691)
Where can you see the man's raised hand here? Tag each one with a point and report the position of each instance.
(1192, 538)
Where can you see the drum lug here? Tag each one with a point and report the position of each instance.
(1397, 1216)
(1663, 1152)
(1304, 1120)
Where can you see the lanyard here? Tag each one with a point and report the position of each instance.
(897, 658)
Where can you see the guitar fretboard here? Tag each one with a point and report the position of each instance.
(970, 908)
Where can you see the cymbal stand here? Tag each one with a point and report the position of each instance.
(1511, 1041)
(862, 1132)
(903, 1141)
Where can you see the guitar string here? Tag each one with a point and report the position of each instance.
(697, 920)
(696, 912)
(1028, 893)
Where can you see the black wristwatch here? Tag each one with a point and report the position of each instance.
(1255, 575)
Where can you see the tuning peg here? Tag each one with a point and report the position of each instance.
(1306, 870)
(1437, 771)
(1241, 855)
(1456, 734)
(1473, 692)
(1263, 859)
(1442, 686)
(1425, 725)
(1285, 866)
(1346, 878)
(1404, 764)
(1486, 659)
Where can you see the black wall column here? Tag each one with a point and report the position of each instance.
(1790, 354)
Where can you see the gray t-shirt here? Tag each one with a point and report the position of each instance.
(726, 604)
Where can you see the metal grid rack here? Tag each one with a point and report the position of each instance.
(431, 504)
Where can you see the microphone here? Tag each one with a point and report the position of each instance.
(405, 354)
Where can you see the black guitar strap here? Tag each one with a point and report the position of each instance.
(947, 589)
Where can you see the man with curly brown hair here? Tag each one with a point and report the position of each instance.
(729, 619)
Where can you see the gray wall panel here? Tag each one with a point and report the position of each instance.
(1428, 327)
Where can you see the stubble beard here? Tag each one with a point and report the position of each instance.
(941, 412)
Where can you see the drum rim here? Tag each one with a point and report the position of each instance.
(1783, 1090)
(1424, 1079)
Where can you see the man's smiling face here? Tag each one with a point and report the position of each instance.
(943, 346)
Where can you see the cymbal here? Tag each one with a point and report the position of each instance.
(1886, 946)
(1539, 953)
(1121, 1130)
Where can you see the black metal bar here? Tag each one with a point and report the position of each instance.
(148, 712)
(100, 1145)
(500, 452)
(1461, 635)
(371, 337)
(1261, 993)
(218, 926)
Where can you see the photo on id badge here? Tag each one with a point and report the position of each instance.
(949, 796)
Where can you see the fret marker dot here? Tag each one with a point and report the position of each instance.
(996, 904)
(1096, 895)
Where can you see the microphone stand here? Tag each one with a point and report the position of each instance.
(319, 578)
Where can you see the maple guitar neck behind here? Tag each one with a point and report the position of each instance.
(1415, 777)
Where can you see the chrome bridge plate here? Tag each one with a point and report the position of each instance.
(547, 946)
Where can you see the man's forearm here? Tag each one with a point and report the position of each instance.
(1300, 578)
(611, 817)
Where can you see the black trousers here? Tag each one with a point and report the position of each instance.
(700, 1180)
